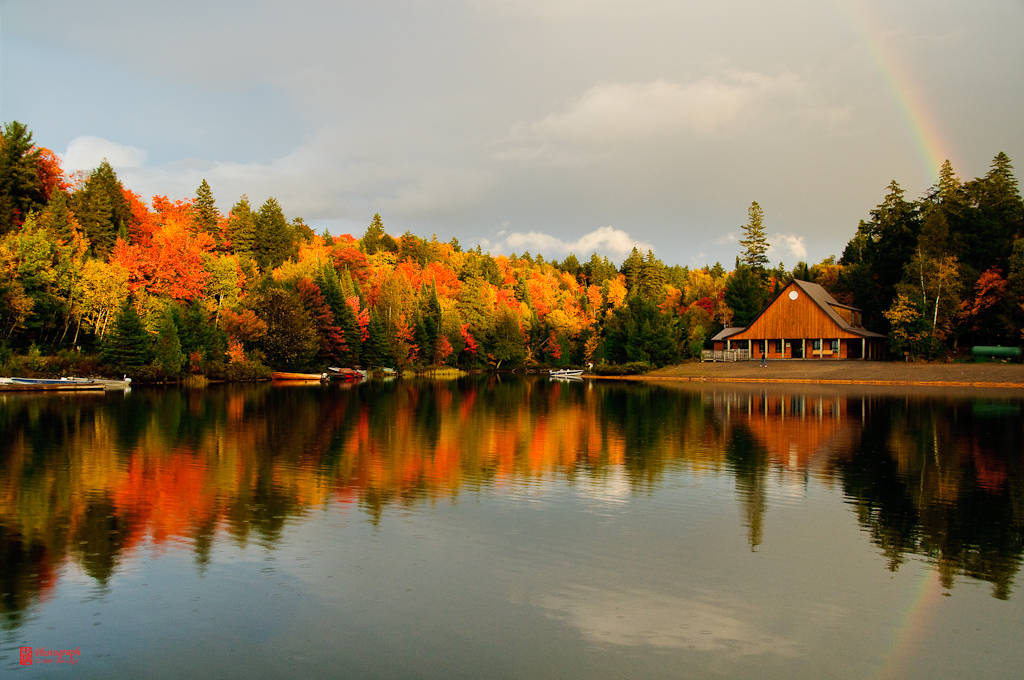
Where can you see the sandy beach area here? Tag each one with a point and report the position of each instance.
(983, 375)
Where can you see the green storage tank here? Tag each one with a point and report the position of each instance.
(995, 352)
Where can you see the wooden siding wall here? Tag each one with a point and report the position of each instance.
(800, 318)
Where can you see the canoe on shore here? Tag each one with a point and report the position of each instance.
(334, 373)
(285, 375)
(66, 384)
(47, 385)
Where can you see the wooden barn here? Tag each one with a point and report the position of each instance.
(804, 322)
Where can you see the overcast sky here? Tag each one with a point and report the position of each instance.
(545, 126)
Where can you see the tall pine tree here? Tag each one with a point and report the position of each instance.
(274, 240)
(20, 187)
(755, 239)
(128, 346)
(241, 228)
(371, 240)
(204, 211)
(102, 209)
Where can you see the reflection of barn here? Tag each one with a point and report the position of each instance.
(794, 428)
(804, 322)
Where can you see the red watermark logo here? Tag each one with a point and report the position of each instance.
(28, 655)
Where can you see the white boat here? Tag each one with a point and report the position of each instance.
(124, 383)
(567, 373)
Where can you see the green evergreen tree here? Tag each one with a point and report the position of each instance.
(640, 332)
(274, 239)
(875, 258)
(20, 188)
(428, 322)
(995, 217)
(376, 351)
(755, 239)
(127, 347)
(204, 210)
(198, 334)
(631, 267)
(291, 342)
(347, 324)
(241, 228)
(949, 188)
(745, 295)
(652, 279)
(570, 264)
(57, 218)
(371, 240)
(102, 209)
(598, 270)
(168, 358)
(802, 271)
(1015, 287)
(330, 285)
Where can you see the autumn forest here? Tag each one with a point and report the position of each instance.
(93, 277)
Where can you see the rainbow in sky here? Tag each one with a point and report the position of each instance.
(928, 136)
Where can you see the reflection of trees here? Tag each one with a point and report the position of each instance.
(749, 461)
(90, 479)
(942, 480)
(27, 574)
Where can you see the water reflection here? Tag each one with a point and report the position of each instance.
(89, 480)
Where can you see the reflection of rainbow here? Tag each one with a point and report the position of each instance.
(911, 627)
(922, 123)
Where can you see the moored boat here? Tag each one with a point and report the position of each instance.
(336, 373)
(286, 375)
(15, 384)
(124, 383)
(567, 373)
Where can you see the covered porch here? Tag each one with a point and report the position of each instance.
(806, 348)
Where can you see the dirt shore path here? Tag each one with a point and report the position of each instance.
(992, 375)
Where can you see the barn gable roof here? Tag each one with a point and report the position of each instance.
(827, 303)
(823, 300)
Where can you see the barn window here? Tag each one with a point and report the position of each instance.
(817, 344)
(835, 346)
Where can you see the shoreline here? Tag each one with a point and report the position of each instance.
(1007, 377)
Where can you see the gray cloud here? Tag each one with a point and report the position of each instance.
(663, 119)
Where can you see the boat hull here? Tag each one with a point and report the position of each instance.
(284, 375)
(567, 374)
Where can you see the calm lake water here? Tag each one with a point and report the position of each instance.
(513, 528)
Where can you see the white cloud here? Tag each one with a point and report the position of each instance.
(787, 247)
(86, 152)
(615, 243)
(640, 618)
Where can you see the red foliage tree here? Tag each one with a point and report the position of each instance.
(332, 340)
(170, 263)
(49, 172)
(362, 317)
(470, 342)
(245, 326)
(352, 259)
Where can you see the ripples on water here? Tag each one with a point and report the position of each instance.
(514, 527)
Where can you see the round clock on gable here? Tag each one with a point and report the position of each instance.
(793, 295)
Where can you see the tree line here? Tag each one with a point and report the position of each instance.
(169, 287)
